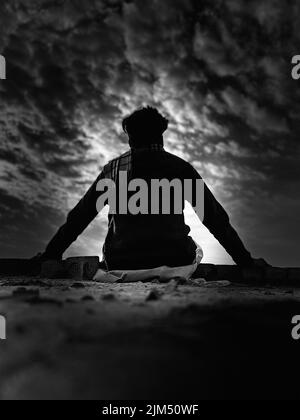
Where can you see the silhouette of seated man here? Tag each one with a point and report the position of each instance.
(144, 241)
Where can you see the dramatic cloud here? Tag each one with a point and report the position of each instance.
(220, 70)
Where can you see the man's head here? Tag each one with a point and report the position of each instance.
(144, 127)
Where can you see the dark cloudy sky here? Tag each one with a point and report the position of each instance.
(219, 69)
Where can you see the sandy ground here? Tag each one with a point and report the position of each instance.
(69, 340)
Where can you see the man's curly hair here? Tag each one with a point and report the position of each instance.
(145, 126)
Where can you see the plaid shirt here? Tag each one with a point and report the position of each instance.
(147, 241)
(124, 162)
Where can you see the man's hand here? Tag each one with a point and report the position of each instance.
(38, 258)
(47, 266)
(42, 257)
(260, 263)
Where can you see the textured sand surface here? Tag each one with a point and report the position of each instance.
(68, 340)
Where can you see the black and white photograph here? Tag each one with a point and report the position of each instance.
(149, 202)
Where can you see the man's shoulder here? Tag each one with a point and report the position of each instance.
(177, 160)
(118, 158)
(117, 162)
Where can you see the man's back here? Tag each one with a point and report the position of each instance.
(148, 240)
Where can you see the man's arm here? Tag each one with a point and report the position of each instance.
(77, 221)
(217, 221)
